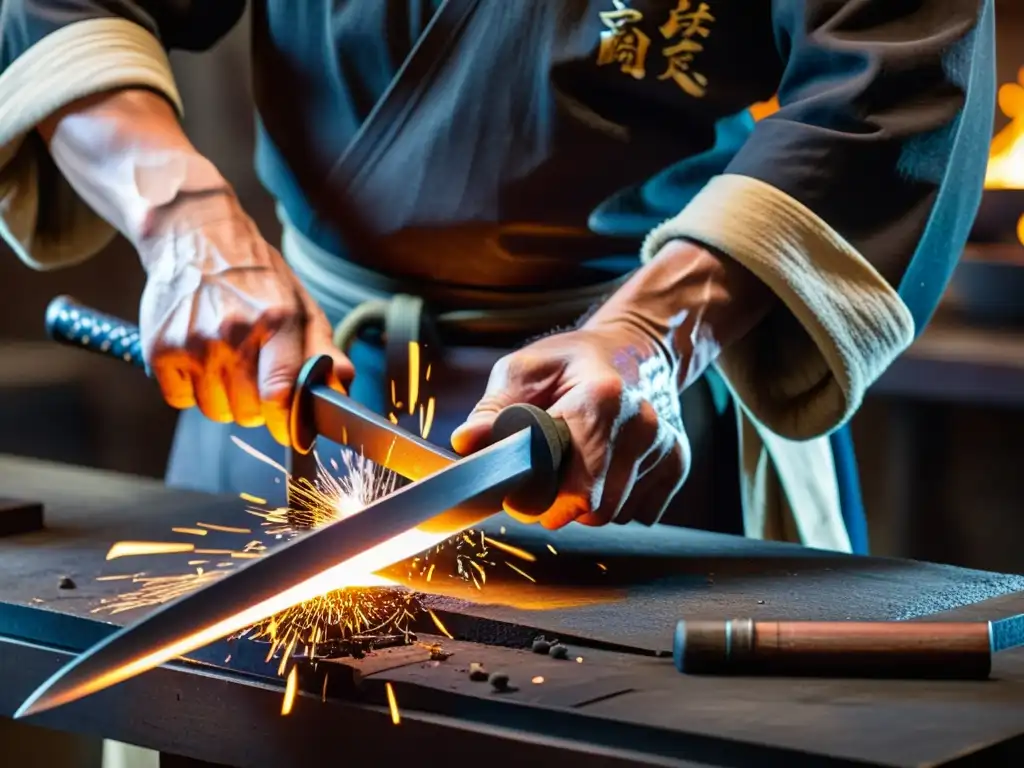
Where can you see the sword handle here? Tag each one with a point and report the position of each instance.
(75, 324)
(837, 649)
(70, 322)
(550, 446)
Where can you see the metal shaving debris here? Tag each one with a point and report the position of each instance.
(541, 645)
(438, 653)
(559, 651)
(477, 673)
(499, 681)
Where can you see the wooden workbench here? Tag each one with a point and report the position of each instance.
(623, 705)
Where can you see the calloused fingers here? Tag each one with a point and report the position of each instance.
(210, 390)
(568, 508)
(280, 359)
(320, 341)
(630, 445)
(590, 412)
(242, 390)
(175, 383)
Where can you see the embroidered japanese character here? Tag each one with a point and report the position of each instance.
(623, 42)
(685, 21)
(680, 67)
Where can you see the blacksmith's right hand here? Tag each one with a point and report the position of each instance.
(225, 324)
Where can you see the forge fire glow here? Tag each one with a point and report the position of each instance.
(1006, 157)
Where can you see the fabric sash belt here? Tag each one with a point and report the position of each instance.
(363, 303)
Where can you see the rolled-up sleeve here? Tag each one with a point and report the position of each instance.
(53, 52)
(854, 200)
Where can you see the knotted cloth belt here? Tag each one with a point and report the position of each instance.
(360, 302)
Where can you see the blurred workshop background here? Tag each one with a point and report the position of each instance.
(940, 440)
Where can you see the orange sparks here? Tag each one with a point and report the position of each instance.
(414, 376)
(480, 570)
(357, 572)
(538, 680)
(323, 691)
(522, 554)
(396, 716)
(223, 528)
(427, 418)
(552, 550)
(392, 418)
(155, 590)
(257, 455)
(602, 566)
(439, 625)
(290, 689)
(138, 548)
(252, 499)
(191, 531)
(122, 577)
(521, 572)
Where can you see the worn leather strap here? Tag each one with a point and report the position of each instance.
(403, 323)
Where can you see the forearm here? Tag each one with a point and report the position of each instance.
(852, 202)
(126, 155)
(694, 303)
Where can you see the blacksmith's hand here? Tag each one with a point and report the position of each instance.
(617, 381)
(225, 324)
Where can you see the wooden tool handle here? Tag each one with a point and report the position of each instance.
(844, 649)
(70, 322)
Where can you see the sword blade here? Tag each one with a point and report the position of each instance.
(323, 560)
(343, 420)
(346, 422)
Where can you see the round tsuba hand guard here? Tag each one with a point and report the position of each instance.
(314, 373)
(550, 445)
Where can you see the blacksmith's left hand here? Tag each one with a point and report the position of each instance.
(615, 387)
(617, 381)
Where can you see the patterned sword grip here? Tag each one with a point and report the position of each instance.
(74, 324)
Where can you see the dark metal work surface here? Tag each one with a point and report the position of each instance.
(612, 709)
(655, 576)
